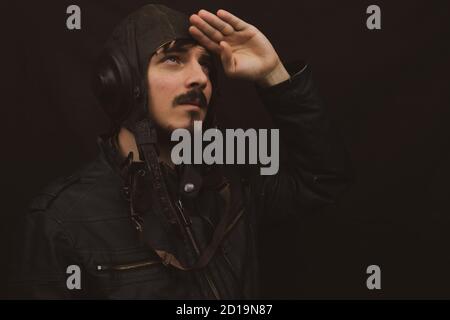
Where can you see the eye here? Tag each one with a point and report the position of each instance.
(172, 59)
(206, 66)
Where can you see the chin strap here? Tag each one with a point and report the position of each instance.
(146, 139)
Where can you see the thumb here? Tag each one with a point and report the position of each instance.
(226, 56)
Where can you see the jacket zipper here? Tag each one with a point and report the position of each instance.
(127, 266)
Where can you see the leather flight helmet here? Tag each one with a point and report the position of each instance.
(119, 77)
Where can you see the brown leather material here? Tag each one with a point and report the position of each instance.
(225, 225)
(146, 140)
(145, 135)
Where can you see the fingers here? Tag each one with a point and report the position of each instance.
(205, 28)
(234, 21)
(203, 39)
(216, 22)
(226, 56)
(210, 30)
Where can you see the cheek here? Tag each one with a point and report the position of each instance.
(162, 92)
(162, 87)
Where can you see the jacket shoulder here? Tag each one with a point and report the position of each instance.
(43, 200)
(65, 193)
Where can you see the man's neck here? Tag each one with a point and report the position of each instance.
(127, 143)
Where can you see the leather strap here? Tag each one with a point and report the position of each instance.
(222, 229)
(145, 135)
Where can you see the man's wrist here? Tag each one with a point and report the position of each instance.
(277, 75)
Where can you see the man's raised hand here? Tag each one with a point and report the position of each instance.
(244, 51)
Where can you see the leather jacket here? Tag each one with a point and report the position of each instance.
(89, 219)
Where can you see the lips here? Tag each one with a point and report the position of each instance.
(193, 102)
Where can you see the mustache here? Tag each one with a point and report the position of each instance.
(194, 95)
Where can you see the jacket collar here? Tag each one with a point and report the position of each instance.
(211, 177)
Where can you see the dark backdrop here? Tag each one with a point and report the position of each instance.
(386, 89)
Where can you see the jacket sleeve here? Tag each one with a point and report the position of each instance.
(314, 166)
(40, 264)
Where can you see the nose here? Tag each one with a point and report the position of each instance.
(196, 76)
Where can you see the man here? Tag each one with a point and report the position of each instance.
(134, 225)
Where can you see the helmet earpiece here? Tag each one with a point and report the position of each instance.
(114, 84)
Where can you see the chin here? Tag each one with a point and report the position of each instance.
(181, 124)
(186, 122)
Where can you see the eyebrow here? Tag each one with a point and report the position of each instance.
(175, 49)
(183, 49)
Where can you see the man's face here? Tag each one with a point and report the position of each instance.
(179, 86)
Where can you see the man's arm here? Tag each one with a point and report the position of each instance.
(40, 262)
(314, 164)
(314, 167)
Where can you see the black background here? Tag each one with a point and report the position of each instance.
(387, 90)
